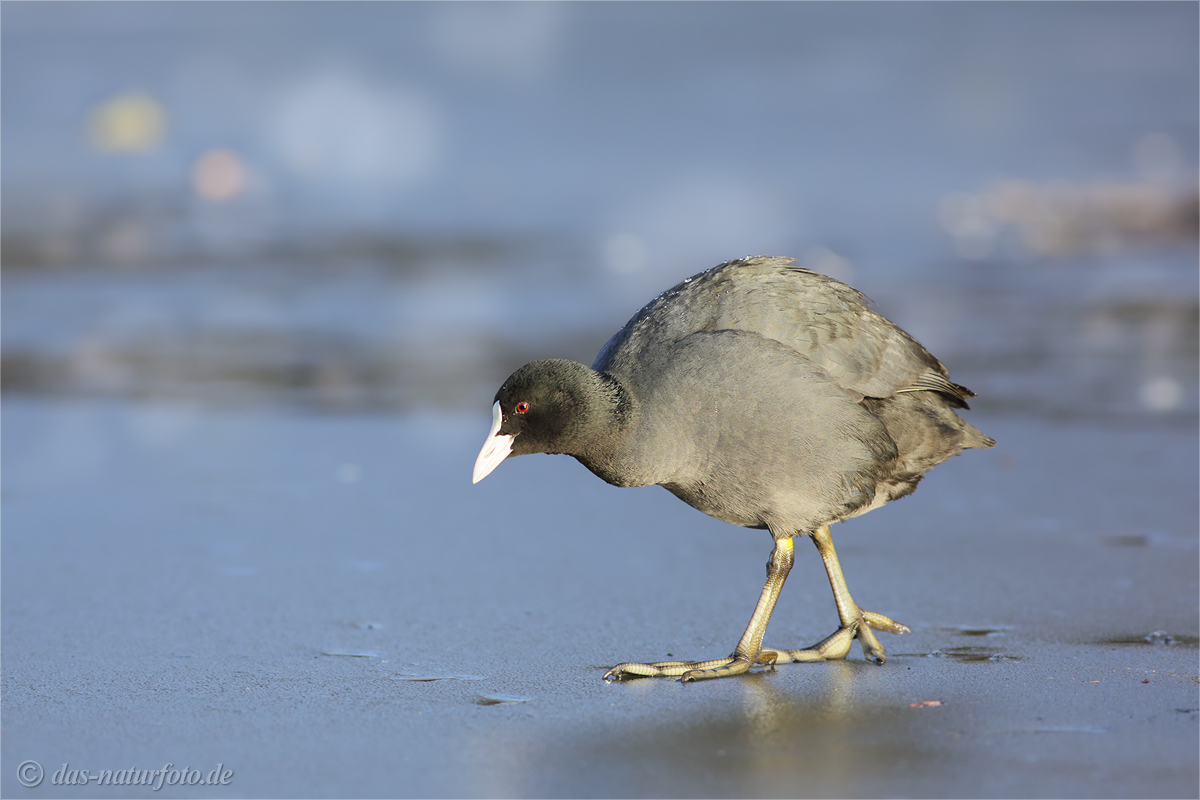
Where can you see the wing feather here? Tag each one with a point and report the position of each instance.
(824, 319)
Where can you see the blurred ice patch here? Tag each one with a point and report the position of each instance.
(515, 41)
(337, 127)
(697, 215)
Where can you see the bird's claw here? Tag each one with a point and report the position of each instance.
(837, 645)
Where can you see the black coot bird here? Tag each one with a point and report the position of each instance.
(764, 395)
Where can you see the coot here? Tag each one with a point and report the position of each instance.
(765, 395)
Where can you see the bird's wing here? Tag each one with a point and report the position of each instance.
(824, 319)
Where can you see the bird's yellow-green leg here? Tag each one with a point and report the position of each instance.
(749, 649)
(856, 623)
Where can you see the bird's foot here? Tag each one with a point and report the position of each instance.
(688, 671)
(836, 646)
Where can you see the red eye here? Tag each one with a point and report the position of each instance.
(522, 407)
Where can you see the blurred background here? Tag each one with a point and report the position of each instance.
(390, 206)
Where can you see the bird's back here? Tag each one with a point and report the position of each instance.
(819, 317)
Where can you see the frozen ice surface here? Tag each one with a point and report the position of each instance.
(174, 582)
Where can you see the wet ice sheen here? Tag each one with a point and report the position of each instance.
(501, 699)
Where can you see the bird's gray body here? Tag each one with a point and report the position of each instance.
(849, 411)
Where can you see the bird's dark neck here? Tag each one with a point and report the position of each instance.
(613, 410)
